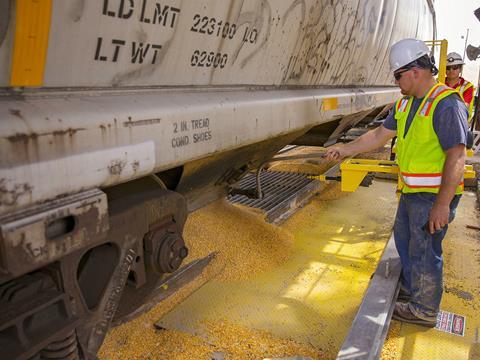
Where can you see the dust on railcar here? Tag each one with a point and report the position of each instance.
(118, 118)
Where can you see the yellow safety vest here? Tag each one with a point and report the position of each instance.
(461, 89)
(420, 156)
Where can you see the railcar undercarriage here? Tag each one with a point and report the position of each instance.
(103, 257)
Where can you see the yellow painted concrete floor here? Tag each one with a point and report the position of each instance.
(461, 296)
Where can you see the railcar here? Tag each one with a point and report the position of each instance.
(119, 117)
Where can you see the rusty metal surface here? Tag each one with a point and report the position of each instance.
(24, 241)
(146, 207)
(162, 289)
(19, 315)
(211, 42)
(67, 306)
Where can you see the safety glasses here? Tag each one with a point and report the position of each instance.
(453, 67)
(398, 74)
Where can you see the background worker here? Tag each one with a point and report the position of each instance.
(455, 81)
(430, 123)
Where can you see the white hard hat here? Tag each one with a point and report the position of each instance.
(454, 59)
(405, 51)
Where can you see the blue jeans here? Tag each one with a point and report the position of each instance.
(420, 252)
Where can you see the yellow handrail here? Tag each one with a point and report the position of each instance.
(353, 171)
(442, 64)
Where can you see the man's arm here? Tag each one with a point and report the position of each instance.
(367, 142)
(452, 176)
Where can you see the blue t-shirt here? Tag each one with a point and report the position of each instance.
(449, 120)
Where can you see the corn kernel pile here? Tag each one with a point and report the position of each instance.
(235, 233)
(232, 341)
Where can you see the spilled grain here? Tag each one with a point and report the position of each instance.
(245, 244)
(391, 346)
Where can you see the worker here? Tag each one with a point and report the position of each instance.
(455, 81)
(430, 122)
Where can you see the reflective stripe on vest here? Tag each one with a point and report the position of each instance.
(461, 89)
(466, 85)
(402, 104)
(422, 180)
(427, 106)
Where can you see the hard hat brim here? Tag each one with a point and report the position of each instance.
(455, 62)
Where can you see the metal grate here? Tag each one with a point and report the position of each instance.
(283, 193)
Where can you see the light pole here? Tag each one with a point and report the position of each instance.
(465, 46)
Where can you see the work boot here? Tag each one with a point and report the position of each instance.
(403, 296)
(403, 313)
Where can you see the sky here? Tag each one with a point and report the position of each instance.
(454, 17)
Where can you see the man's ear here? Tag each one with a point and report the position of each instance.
(416, 73)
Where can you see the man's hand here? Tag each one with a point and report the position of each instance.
(367, 142)
(438, 217)
(336, 153)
